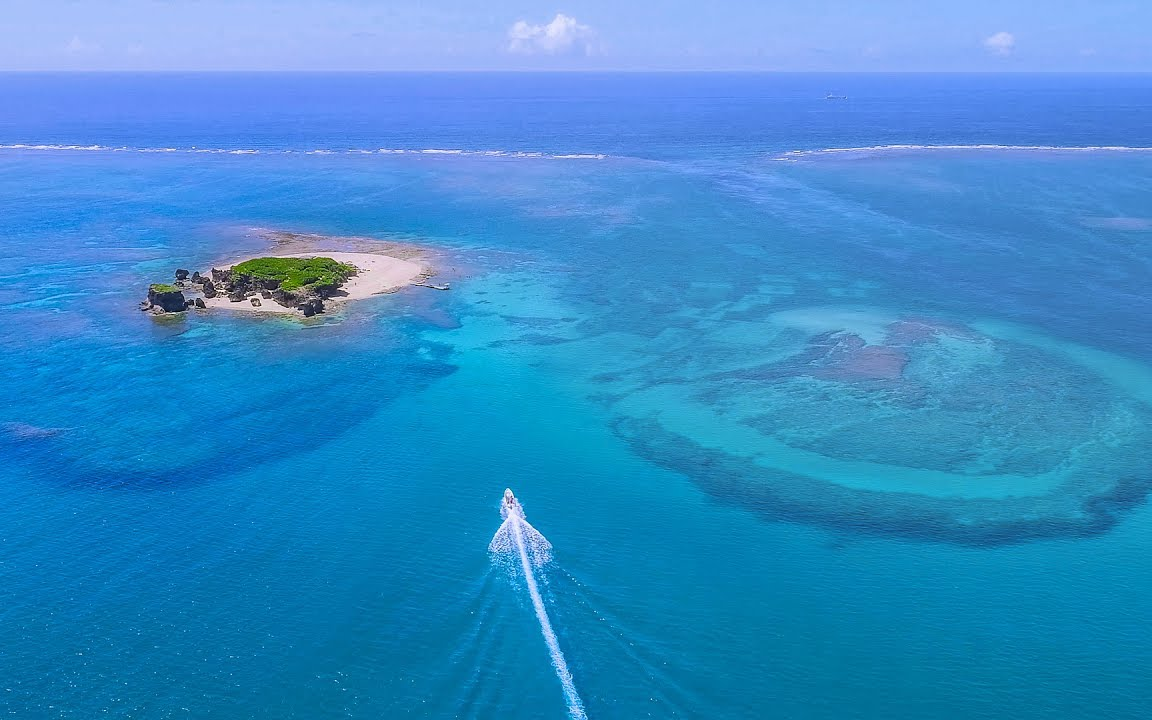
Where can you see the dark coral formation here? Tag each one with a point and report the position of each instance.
(845, 356)
(1081, 508)
(1030, 444)
(25, 431)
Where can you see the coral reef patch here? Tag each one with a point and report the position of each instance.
(900, 425)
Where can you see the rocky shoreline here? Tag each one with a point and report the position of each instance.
(237, 287)
(306, 284)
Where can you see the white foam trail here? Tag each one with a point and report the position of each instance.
(795, 154)
(517, 535)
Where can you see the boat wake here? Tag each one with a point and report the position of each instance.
(518, 540)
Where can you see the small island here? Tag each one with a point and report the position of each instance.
(302, 283)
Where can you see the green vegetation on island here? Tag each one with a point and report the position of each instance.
(160, 288)
(297, 273)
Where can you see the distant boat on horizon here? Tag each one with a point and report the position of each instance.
(830, 96)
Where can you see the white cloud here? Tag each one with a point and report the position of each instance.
(77, 46)
(563, 36)
(1002, 43)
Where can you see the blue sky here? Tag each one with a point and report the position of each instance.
(797, 35)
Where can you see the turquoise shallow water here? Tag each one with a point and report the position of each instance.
(839, 435)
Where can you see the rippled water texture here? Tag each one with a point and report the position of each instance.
(827, 409)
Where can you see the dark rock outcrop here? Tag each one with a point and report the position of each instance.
(250, 285)
(238, 287)
(285, 298)
(312, 306)
(304, 301)
(167, 300)
(241, 284)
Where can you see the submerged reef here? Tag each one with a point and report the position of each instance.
(903, 426)
(1090, 506)
(26, 431)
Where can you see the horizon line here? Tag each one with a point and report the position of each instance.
(557, 71)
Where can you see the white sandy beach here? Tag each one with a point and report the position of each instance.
(377, 274)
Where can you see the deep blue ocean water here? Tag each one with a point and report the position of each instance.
(814, 434)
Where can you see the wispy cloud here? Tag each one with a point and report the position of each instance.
(78, 46)
(1001, 43)
(563, 36)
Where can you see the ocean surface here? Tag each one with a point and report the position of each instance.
(829, 408)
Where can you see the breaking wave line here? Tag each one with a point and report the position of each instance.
(320, 151)
(793, 155)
